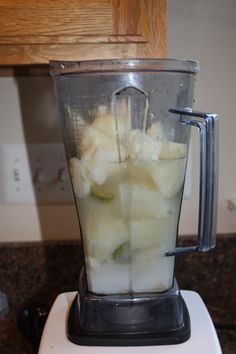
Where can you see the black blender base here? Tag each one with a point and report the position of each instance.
(78, 336)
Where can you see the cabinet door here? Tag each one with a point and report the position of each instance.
(34, 32)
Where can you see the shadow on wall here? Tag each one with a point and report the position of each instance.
(38, 109)
(41, 126)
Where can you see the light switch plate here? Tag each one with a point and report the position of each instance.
(34, 173)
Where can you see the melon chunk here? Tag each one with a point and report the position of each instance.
(79, 177)
(145, 203)
(143, 147)
(103, 237)
(112, 127)
(84, 174)
(92, 140)
(139, 175)
(148, 232)
(156, 131)
(109, 132)
(101, 193)
(172, 151)
(152, 270)
(168, 176)
(168, 150)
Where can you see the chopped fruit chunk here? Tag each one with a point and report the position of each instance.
(139, 175)
(112, 126)
(143, 147)
(79, 178)
(104, 237)
(168, 150)
(148, 203)
(172, 151)
(169, 176)
(93, 139)
(149, 232)
(122, 253)
(156, 131)
(84, 173)
(101, 193)
(128, 186)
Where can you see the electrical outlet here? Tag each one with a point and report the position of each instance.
(34, 173)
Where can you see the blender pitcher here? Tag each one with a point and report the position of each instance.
(126, 126)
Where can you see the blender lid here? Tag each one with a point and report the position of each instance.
(122, 65)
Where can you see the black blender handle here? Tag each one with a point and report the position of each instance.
(207, 124)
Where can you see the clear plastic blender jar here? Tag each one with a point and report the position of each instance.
(127, 156)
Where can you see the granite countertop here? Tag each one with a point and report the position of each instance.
(39, 271)
(212, 275)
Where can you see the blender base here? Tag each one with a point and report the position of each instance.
(146, 318)
(203, 337)
(80, 337)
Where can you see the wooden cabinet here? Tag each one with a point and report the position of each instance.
(36, 31)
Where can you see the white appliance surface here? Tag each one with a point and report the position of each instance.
(203, 338)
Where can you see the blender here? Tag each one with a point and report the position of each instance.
(126, 127)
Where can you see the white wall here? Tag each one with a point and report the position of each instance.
(205, 30)
(197, 29)
(28, 114)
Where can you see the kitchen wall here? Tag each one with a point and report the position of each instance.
(205, 30)
(198, 30)
(29, 115)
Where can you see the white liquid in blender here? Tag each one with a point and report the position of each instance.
(128, 223)
(128, 185)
